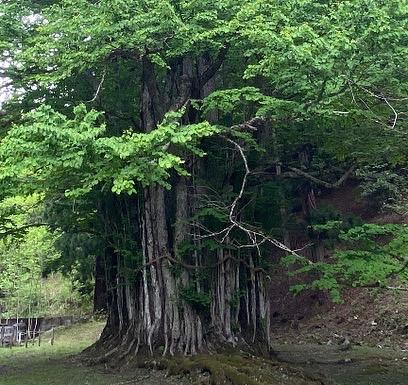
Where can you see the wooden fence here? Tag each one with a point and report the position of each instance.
(17, 332)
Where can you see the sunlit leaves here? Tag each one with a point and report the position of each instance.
(51, 151)
(371, 254)
(230, 101)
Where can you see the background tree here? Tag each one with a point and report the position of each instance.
(29, 286)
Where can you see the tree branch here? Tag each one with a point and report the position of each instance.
(214, 67)
(321, 182)
(98, 89)
(251, 124)
(21, 228)
(256, 237)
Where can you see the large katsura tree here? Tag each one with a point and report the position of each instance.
(185, 264)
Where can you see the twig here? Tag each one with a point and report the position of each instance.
(337, 184)
(385, 99)
(397, 288)
(99, 87)
(256, 237)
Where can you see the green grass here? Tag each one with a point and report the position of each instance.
(60, 364)
(55, 365)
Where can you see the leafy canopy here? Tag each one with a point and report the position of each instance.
(49, 151)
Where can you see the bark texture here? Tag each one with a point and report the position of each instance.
(168, 308)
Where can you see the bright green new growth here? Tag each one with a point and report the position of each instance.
(369, 255)
(51, 151)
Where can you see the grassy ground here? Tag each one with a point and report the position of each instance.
(52, 364)
(58, 364)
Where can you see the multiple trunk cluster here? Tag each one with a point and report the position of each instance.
(167, 308)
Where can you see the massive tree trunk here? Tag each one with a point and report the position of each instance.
(168, 309)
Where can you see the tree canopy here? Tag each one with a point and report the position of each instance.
(191, 139)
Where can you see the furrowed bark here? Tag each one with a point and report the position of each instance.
(153, 311)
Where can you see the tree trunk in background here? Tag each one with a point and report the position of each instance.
(100, 300)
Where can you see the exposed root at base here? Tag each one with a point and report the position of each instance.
(231, 369)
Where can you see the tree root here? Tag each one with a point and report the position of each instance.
(232, 369)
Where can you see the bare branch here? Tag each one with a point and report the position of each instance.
(401, 288)
(383, 98)
(250, 124)
(256, 237)
(335, 185)
(99, 87)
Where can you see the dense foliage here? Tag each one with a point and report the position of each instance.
(189, 142)
(27, 288)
